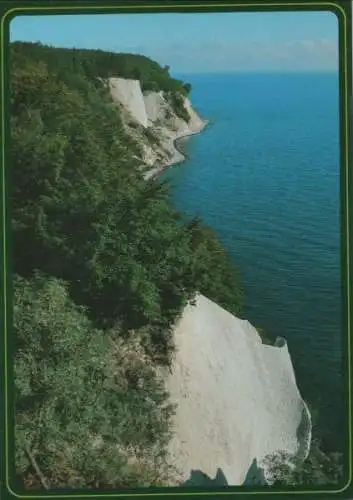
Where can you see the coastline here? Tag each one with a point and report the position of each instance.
(178, 156)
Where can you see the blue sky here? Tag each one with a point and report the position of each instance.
(281, 41)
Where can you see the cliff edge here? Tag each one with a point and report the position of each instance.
(154, 111)
(237, 399)
(129, 94)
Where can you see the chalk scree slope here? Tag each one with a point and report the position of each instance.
(237, 399)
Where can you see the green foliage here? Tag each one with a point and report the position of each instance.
(176, 101)
(84, 68)
(98, 63)
(265, 338)
(319, 469)
(151, 136)
(212, 272)
(187, 87)
(81, 211)
(89, 406)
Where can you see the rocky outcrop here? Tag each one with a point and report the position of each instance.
(153, 111)
(237, 399)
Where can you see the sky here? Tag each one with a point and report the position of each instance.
(198, 42)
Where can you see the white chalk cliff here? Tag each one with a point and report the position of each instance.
(151, 110)
(237, 399)
(129, 94)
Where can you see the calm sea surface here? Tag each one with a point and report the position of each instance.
(265, 175)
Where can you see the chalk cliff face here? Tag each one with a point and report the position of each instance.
(237, 399)
(152, 111)
(129, 94)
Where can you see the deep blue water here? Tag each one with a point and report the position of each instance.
(265, 175)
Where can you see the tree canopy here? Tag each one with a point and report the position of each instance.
(98, 63)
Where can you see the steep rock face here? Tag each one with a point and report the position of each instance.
(237, 399)
(196, 123)
(156, 106)
(129, 94)
(160, 113)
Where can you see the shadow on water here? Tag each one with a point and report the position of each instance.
(254, 477)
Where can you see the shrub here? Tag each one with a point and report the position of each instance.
(176, 101)
(89, 404)
(319, 469)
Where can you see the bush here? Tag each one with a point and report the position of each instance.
(89, 405)
(213, 273)
(265, 338)
(319, 469)
(176, 101)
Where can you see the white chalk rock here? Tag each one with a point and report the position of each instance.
(156, 106)
(196, 123)
(128, 93)
(237, 399)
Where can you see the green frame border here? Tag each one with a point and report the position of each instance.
(343, 10)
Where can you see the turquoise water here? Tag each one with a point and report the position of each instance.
(265, 175)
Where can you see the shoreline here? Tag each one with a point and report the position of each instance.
(178, 157)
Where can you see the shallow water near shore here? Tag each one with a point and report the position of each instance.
(265, 175)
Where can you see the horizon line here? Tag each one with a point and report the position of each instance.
(255, 71)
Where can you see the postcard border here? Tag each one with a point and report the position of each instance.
(263, 6)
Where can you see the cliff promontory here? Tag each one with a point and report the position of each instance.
(153, 111)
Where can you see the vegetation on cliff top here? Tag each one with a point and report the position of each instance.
(103, 266)
(94, 65)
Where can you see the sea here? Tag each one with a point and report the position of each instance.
(265, 175)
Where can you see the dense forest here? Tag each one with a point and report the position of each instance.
(103, 265)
